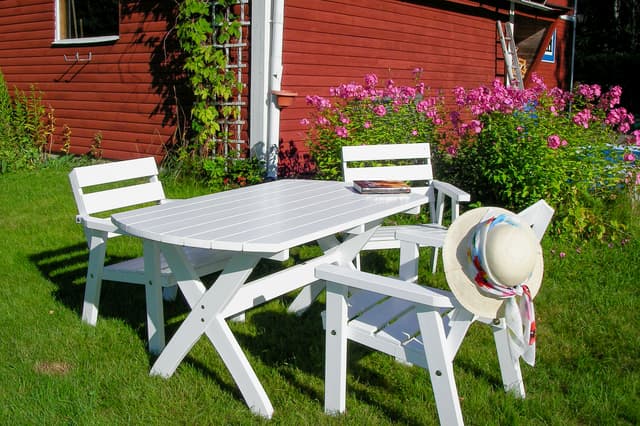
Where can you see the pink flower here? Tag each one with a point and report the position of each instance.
(553, 141)
(380, 110)
(344, 119)
(318, 102)
(342, 131)
(304, 122)
(582, 118)
(475, 126)
(367, 125)
(562, 255)
(414, 132)
(628, 156)
(370, 80)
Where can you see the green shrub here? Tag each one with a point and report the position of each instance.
(505, 146)
(23, 128)
(518, 146)
(218, 173)
(226, 173)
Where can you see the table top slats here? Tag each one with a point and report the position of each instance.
(269, 217)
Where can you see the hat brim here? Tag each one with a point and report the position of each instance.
(455, 257)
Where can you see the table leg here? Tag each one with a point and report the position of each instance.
(206, 318)
(185, 275)
(310, 293)
(228, 296)
(227, 346)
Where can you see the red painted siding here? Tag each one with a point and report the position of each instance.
(125, 94)
(113, 94)
(331, 42)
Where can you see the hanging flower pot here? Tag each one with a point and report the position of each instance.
(284, 98)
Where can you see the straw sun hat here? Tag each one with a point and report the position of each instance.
(493, 265)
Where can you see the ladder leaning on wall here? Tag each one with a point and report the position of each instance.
(510, 53)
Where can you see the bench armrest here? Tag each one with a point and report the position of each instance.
(443, 190)
(96, 223)
(456, 194)
(405, 290)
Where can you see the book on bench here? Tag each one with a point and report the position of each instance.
(381, 187)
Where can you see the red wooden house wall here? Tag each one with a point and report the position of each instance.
(455, 42)
(125, 92)
(115, 94)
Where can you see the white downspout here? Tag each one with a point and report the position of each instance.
(275, 79)
(259, 96)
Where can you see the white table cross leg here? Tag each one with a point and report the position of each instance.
(310, 293)
(186, 276)
(206, 317)
(227, 346)
(282, 282)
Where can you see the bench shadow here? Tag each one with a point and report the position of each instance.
(271, 342)
(288, 343)
(66, 268)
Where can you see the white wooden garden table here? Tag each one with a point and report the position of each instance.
(261, 221)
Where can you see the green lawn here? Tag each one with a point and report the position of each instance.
(56, 370)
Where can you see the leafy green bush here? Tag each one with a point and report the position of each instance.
(226, 173)
(505, 146)
(24, 127)
(217, 173)
(517, 146)
(367, 114)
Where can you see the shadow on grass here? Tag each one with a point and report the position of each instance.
(294, 346)
(281, 341)
(66, 267)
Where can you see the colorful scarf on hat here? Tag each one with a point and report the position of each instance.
(519, 312)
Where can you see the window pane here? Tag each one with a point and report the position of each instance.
(88, 18)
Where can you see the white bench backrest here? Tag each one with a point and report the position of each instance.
(130, 194)
(421, 171)
(538, 216)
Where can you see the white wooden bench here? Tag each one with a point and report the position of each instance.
(415, 324)
(102, 188)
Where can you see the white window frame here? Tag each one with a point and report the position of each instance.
(75, 41)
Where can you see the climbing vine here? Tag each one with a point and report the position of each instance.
(203, 27)
(205, 30)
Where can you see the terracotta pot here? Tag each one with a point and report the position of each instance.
(284, 98)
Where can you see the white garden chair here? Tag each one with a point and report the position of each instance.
(418, 172)
(415, 324)
(402, 162)
(103, 188)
